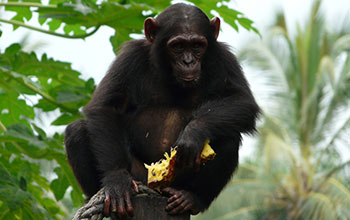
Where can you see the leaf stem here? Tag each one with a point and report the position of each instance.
(18, 23)
(26, 4)
(3, 127)
(43, 94)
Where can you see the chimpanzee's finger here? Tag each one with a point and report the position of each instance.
(173, 198)
(114, 205)
(107, 204)
(121, 206)
(129, 208)
(135, 186)
(169, 191)
(187, 207)
(173, 204)
(176, 206)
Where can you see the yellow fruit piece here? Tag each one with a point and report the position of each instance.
(207, 152)
(161, 173)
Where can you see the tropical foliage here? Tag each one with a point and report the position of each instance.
(35, 179)
(299, 171)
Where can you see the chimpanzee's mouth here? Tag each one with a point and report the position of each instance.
(189, 78)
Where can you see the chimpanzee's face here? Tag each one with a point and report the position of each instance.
(186, 51)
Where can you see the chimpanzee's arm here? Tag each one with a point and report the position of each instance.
(223, 117)
(106, 113)
(220, 118)
(107, 126)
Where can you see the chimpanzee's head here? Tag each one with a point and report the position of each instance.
(181, 35)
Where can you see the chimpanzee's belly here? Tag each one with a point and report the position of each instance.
(155, 131)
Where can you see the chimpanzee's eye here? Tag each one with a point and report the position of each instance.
(178, 46)
(197, 45)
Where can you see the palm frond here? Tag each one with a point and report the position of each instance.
(316, 206)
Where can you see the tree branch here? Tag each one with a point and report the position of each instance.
(26, 4)
(21, 24)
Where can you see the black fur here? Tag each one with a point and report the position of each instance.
(127, 117)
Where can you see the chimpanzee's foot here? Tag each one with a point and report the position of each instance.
(181, 201)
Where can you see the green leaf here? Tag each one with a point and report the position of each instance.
(77, 198)
(245, 22)
(66, 119)
(119, 37)
(55, 81)
(90, 85)
(14, 197)
(50, 206)
(68, 97)
(13, 109)
(76, 194)
(41, 132)
(23, 184)
(28, 214)
(6, 178)
(59, 185)
(74, 28)
(22, 13)
(157, 5)
(230, 16)
(54, 24)
(12, 49)
(45, 105)
(75, 14)
(21, 132)
(4, 212)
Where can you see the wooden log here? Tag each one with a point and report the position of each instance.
(148, 205)
(151, 207)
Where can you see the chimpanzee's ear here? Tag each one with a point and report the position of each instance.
(150, 27)
(215, 23)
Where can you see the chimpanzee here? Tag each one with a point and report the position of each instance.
(178, 87)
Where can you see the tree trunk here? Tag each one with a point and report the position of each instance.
(150, 207)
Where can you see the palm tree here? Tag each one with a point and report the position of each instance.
(299, 170)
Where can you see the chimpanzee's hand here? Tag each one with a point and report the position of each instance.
(118, 185)
(189, 148)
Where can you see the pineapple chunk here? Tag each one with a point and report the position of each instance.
(207, 152)
(161, 173)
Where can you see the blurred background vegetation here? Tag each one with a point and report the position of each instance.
(298, 169)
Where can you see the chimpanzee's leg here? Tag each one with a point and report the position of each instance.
(81, 158)
(196, 192)
(215, 174)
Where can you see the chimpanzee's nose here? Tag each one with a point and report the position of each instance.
(188, 58)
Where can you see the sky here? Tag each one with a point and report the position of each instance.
(93, 55)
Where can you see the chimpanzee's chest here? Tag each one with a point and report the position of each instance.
(155, 131)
